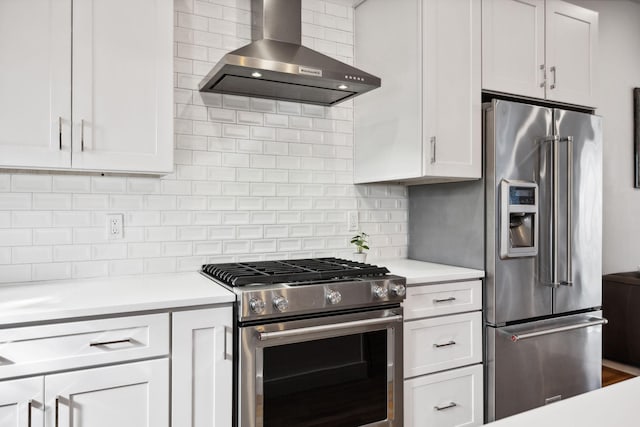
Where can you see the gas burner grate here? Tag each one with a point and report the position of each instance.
(295, 270)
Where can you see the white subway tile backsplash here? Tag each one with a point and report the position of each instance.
(15, 273)
(51, 201)
(5, 182)
(122, 267)
(207, 218)
(11, 201)
(30, 219)
(31, 183)
(52, 236)
(106, 184)
(207, 248)
(159, 265)
(31, 254)
(5, 255)
(254, 178)
(192, 233)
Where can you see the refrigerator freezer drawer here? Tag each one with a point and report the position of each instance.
(537, 363)
(432, 345)
(446, 399)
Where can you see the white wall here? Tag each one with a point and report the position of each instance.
(619, 73)
(254, 179)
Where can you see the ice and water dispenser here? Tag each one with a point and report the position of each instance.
(519, 219)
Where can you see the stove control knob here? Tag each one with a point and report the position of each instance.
(333, 296)
(398, 290)
(280, 303)
(380, 291)
(256, 305)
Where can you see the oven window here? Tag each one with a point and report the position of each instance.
(338, 382)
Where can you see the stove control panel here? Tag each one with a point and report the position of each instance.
(283, 300)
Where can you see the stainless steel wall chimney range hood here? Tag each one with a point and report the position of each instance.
(277, 66)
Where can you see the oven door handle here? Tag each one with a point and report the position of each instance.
(264, 336)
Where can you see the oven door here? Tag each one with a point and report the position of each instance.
(341, 371)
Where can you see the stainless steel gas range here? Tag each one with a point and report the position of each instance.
(318, 342)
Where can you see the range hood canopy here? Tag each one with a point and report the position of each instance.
(277, 66)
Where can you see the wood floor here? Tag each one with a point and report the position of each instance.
(612, 376)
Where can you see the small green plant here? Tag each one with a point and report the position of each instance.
(360, 241)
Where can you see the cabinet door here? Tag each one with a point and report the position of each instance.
(21, 403)
(513, 47)
(387, 121)
(447, 399)
(202, 368)
(130, 395)
(35, 87)
(451, 89)
(123, 85)
(572, 45)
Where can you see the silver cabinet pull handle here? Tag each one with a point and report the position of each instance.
(442, 408)
(100, 343)
(594, 321)
(228, 342)
(554, 84)
(60, 133)
(82, 135)
(444, 300)
(263, 336)
(29, 407)
(433, 149)
(57, 410)
(447, 344)
(543, 82)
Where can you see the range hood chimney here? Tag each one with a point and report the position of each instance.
(276, 66)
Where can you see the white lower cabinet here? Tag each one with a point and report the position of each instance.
(21, 402)
(128, 395)
(116, 371)
(202, 368)
(443, 355)
(450, 398)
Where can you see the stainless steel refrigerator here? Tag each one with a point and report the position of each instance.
(543, 255)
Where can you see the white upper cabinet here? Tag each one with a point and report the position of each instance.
(572, 46)
(123, 85)
(111, 60)
(540, 49)
(513, 46)
(423, 123)
(35, 83)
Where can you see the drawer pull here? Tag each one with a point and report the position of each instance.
(445, 344)
(57, 410)
(101, 343)
(29, 406)
(442, 408)
(444, 300)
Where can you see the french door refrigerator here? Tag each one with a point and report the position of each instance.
(543, 255)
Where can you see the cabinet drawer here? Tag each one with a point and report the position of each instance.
(445, 298)
(440, 343)
(447, 399)
(37, 349)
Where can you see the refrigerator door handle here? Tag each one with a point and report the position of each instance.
(555, 202)
(593, 321)
(569, 141)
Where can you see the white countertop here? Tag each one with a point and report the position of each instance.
(427, 272)
(615, 405)
(60, 299)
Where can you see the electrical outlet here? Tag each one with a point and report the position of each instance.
(115, 225)
(352, 221)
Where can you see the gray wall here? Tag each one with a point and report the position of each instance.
(446, 223)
